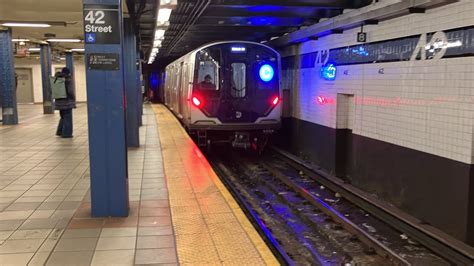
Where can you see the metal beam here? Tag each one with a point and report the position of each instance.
(287, 11)
(262, 4)
(250, 21)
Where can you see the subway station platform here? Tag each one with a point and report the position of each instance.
(180, 212)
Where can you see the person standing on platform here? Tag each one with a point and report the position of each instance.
(65, 105)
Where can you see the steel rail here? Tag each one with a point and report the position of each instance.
(453, 250)
(348, 225)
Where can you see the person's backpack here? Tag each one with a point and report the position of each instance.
(58, 87)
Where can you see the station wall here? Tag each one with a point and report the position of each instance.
(397, 121)
(33, 63)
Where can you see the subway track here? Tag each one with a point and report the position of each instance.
(305, 223)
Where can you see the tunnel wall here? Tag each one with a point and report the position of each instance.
(397, 121)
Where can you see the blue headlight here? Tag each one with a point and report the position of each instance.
(266, 72)
(329, 72)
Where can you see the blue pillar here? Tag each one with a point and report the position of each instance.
(129, 56)
(7, 79)
(45, 54)
(70, 65)
(139, 86)
(106, 110)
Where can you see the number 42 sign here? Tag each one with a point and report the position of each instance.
(101, 24)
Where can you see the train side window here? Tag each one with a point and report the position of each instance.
(238, 80)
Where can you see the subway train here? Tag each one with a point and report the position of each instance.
(227, 92)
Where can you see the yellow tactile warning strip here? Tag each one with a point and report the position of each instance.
(209, 225)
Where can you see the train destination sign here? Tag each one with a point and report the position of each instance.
(101, 24)
(102, 61)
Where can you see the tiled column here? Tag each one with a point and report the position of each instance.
(106, 109)
(7, 80)
(45, 53)
(131, 89)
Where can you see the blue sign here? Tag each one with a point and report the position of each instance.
(90, 38)
(328, 72)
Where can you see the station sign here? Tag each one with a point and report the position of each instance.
(361, 37)
(103, 61)
(101, 24)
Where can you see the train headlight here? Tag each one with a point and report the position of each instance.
(266, 72)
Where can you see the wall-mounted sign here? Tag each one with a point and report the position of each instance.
(101, 24)
(361, 36)
(103, 61)
(328, 72)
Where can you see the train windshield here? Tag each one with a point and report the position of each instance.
(208, 62)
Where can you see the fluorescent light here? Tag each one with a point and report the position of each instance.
(163, 15)
(62, 58)
(63, 40)
(25, 24)
(20, 40)
(77, 50)
(156, 43)
(34, 49)
(159, 34)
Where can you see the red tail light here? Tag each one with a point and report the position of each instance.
(196, 101)
(276, 100)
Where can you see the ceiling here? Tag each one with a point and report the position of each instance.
(192, 24)
(68, 12)
(196, 22)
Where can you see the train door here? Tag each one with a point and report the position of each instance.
(175, 88)
(24, 92)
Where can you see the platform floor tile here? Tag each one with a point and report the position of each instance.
(45, 216)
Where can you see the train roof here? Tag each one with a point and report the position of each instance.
(221, 42)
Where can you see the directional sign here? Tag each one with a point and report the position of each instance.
(102, 61)
(101, 25)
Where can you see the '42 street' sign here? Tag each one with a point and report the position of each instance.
(101, 25)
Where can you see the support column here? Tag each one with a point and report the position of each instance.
(7, 79)
(106, 109)
(70, 65)
(45, 54)
(129, 50)
(140, 88)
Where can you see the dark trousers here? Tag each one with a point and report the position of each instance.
(65, 123)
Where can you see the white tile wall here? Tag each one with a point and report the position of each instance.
(34, 64)
(423, 105)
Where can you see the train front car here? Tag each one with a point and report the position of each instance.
(235, 94)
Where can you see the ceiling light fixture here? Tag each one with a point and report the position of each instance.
(77, 50)
(20, 40)
(163, 15)
(34, 49)
(26, 24)
(159, 34)
(63, 40)
(162, 22)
